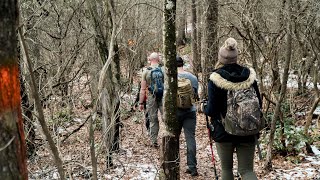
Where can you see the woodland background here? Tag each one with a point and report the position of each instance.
(79, 73)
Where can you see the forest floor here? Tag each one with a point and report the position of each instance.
(143, 162)
(138, 161)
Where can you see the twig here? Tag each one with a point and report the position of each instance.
(76, 130)
(5, 146)
(268, 99)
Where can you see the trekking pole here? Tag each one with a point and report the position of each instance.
(209, 127)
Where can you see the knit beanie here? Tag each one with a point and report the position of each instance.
(179, 61)
(228, 53)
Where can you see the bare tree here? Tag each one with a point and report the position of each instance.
(170, 141)
(268, 164)
(209, 43)
(181, 23)
(194, 41)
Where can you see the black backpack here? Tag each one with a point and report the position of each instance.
(156, 85)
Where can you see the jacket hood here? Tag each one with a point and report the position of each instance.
(233, 77)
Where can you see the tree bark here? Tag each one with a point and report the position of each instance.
(315, 103)
(170, 141)
(194, 44)
(12, 140)
(199, 10)
(108, 85)
(181, 24)
(209, 49)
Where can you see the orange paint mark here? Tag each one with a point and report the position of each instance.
(9, 87)
(10, 102)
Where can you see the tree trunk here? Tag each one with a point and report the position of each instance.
(170, 141)
(268, 165)
(116, 75)
(276, 83)
(12, 140)
(108, 85)
(199, 10)
(315, 103)
(194, 44)
(209, 45)
(28, 120)
(181, 24)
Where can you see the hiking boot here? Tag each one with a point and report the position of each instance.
(192, 172)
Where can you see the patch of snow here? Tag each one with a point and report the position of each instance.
(55, 175)
(317, 111)
(145, 172)
(298, 173)
(313, 159)
(301, 113)
(292, 81)
(315, 150)
(169, 5)
(77, 120)
(61, 130)
(129, 153)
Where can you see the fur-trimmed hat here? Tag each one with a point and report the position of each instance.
(228, 53)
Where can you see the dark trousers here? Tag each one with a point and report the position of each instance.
(245, 155)
(188, 121)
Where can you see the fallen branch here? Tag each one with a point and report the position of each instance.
(76, 130)
(268, 99)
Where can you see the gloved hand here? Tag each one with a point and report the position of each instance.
(203, 105)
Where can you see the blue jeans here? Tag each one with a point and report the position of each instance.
(188, 120)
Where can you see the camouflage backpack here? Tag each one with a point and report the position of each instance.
(185, 93)
(244, 116)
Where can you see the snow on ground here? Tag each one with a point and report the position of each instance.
(147, 160)
(141, 162)
(145, 171)
(306, 170)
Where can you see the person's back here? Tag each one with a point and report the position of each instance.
(230, 76)
(152, 80)
(187, 120)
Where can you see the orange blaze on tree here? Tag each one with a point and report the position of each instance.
(10, 102)
(9, 87)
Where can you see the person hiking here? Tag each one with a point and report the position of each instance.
(229, 76)
(186, 115)
(152, 80)
(136, 104)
